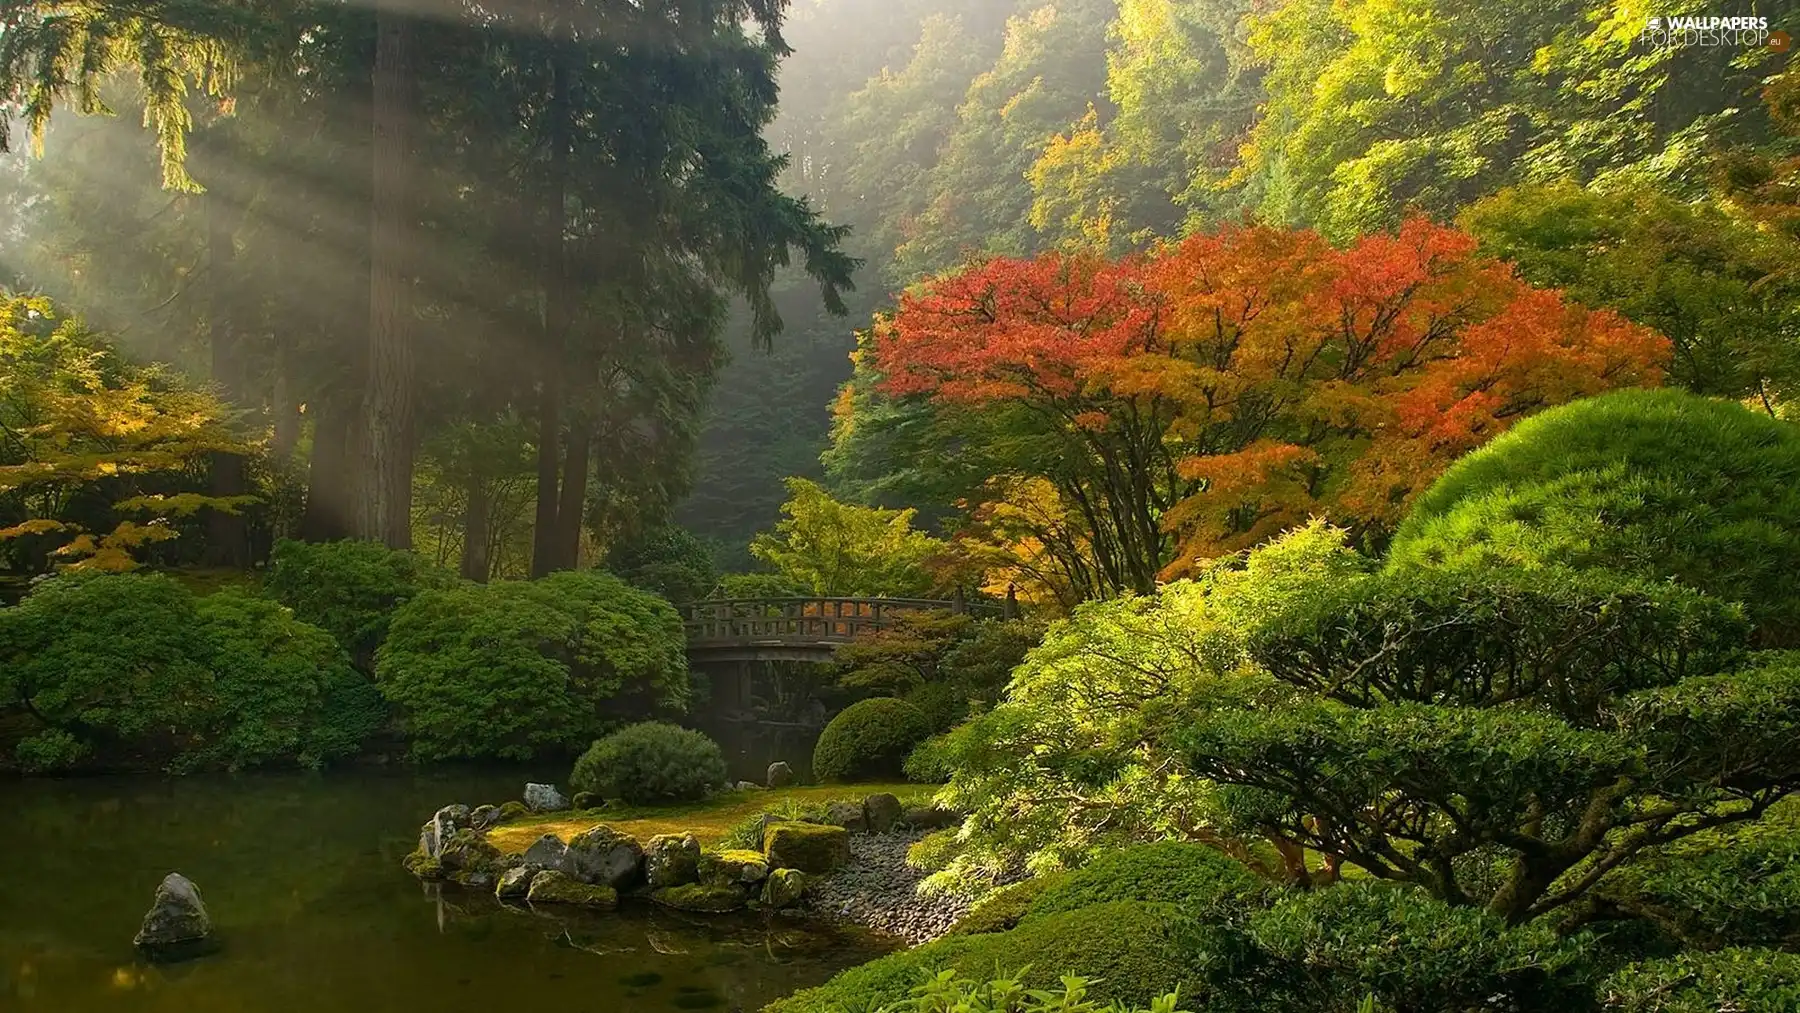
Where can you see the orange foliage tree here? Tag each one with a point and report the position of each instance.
(1190, 402)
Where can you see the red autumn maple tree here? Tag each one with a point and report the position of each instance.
(1213, 392)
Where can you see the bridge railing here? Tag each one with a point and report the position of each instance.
(806, 620)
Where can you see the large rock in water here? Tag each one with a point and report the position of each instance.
(543, 798)
(672, 860)
(733, 868)
(603, 855)
(552, 887)
(515, 882)
(701, 898)
(784, 888)
(443, 825)
(780, 775)
(176, 924)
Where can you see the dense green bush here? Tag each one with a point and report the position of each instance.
(669, 561)
(272, 676)
(1727, 981)
(1005, 907)
(133, 667)
(869, 739)
(1662, 484)
(949, 992)
(1413, 953)
(352, 589)
(513, 668)
(110, 661)
(929, 762)
(1194, 877)
(650, 762)
(947, 664)
(1134, 953)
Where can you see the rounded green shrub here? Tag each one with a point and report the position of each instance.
(650, 762)
(1004, 908)
(351, 589)
(106, 662)
(514, 668)
(869, 740)
(1132, 952)
(1196, 878)
(1658, 483)
(1738, 980)
(1412, 952)
(272, 677)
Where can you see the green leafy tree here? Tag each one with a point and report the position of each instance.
(841, 549)
(351, 589)
(1702, 276)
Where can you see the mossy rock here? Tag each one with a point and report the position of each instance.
(553, 887)
(700, 897)
(423, 866)
(467, 857)
(784, 888)
(515, 883)
(512, 811)
(672, 860)
(733, 867)
(810, 847)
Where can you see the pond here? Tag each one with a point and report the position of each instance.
(301, 874)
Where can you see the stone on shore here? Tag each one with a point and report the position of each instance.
(931, 818)
(484, 816)
(510, 811)
(442, 825)
(848, 815)
(880, 812)
(543, 798)
(547, 852)
(784, 888)
(515, 882)
(176, 924)
(700, 898)
(733, 868)
(553, 887)
(810, 847)
(469, 859)
(601, 854)
(780, 775)
(672, 860)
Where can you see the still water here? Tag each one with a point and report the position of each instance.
(301, 875)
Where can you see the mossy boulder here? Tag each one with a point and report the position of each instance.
(603, 854)
(784, 888)
(733, 867)
(423, 866)
(468, 858)
(553, 887)
(515, 882)
(484, 816)
(547, 852)
(701, 897)
(672, 860)
(849, 815)
(513, 810)
(880, 812)
(810, 847)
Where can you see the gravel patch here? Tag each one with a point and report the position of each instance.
(878, 889)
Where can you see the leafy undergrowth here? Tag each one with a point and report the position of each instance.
(709, 820)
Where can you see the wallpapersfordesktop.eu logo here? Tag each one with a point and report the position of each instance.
(1748, 32)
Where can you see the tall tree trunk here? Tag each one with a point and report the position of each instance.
(227, 534)
(548, 546)
(476, 523)
(573, 505)
(386, 513)
(284, 405)
(331, 493)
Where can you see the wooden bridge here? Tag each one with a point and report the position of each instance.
(801, 629)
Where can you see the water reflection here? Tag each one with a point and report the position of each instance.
(301, 875)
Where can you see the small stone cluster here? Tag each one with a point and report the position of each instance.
(850, 863)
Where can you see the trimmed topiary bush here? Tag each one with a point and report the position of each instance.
(513, 668)
(650, 762)
(1132, 952)
(1658, 483)
(350, 589)
(1004, 908)
(1735, 980)
(869, 740)
(1198, 879)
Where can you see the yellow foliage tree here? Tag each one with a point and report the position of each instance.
(97, 456)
